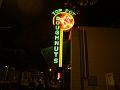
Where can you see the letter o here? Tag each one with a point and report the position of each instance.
(70, 12)
(57, 22)
(56, 11)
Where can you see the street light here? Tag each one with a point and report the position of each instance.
(6, 71)
(50, 69)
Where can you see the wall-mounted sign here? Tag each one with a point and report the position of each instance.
(57, 38)
(63, 21)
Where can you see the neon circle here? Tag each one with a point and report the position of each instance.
(66, 21)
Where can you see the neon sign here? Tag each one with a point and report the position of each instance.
(56, 42)
(63, 21)
(66, 21)
(61, 10)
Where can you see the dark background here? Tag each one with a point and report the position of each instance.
(26, 26)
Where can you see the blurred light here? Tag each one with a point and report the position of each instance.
(69, 68)
(65, 3)
(6, 66)
(58, 76)
(87, 2)
(50, 69)
(70, 36)
(41, 72)
(73, 6)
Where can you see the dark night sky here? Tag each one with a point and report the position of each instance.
(29, 25)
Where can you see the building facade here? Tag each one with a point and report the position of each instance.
(95, 58)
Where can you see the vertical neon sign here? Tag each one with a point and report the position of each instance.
(57, 38)
(63, 21)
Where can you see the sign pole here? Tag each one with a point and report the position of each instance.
(61, 48)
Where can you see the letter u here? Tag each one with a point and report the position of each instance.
(55, 48)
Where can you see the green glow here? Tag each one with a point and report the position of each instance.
(57, 32)
(56, 54)
(57, 27)
(56, 60)
(57, 22)
(56, 48)
(56, 37)
(57, 11)
(57, 18)
(56, 43)
(65, 10)
(70, 12)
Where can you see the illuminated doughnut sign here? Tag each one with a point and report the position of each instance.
(66, 19)
(57, 38)
(63, 21)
